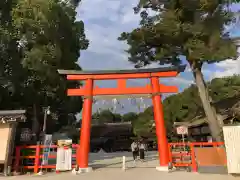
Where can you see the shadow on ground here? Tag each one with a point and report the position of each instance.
(114, 160)
(213, 170)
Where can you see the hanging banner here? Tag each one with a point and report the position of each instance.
(143, 105)
(46, 150)
(64, 155)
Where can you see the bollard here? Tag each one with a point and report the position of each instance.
(124, 163)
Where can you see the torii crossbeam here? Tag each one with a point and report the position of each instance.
(155, 89)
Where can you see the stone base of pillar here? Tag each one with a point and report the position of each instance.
(163, 168)
(82, 170)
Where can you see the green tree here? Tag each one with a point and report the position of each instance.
(129, 117)
(186, 106)
(105, 116)
(95, 118)
(117, 118)
(183, 106)
(10, 67)
(193, 29)
(39, 37)
(223, 88)
(143, 124)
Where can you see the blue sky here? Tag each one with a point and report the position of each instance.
(106, 19)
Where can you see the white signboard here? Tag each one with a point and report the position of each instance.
(232, 139)
(209, 139)
(5, 130)
(182, 130)
(46, 150)
(64, 155)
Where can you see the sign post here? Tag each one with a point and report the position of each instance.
(46, 150)
(182, 130)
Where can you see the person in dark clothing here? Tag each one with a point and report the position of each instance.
(142, 148)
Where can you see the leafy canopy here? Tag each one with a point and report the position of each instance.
(186, 105)
(37, 38)
(129, 117)
(194, 29)
(105, 116)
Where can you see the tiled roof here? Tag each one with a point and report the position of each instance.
(12, 116)
(179, 68)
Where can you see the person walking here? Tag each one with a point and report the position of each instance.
(134, 148)
(142, 148)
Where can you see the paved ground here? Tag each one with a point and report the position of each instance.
(131, 174)
(114, 160)
(107, 166)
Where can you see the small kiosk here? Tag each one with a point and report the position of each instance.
(8, 124)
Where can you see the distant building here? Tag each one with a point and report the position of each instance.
(111, 136)
(228, 112)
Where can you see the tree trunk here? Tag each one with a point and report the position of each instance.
(210, 111)
(35, 123)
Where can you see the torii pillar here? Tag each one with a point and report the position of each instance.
(83, 151)
(161, 134)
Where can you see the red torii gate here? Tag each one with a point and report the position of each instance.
(154, 88)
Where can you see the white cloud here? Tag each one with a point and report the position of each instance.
(129, 17)
(104, 21)
(227, 68)
(98, 9)
(180, 81)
